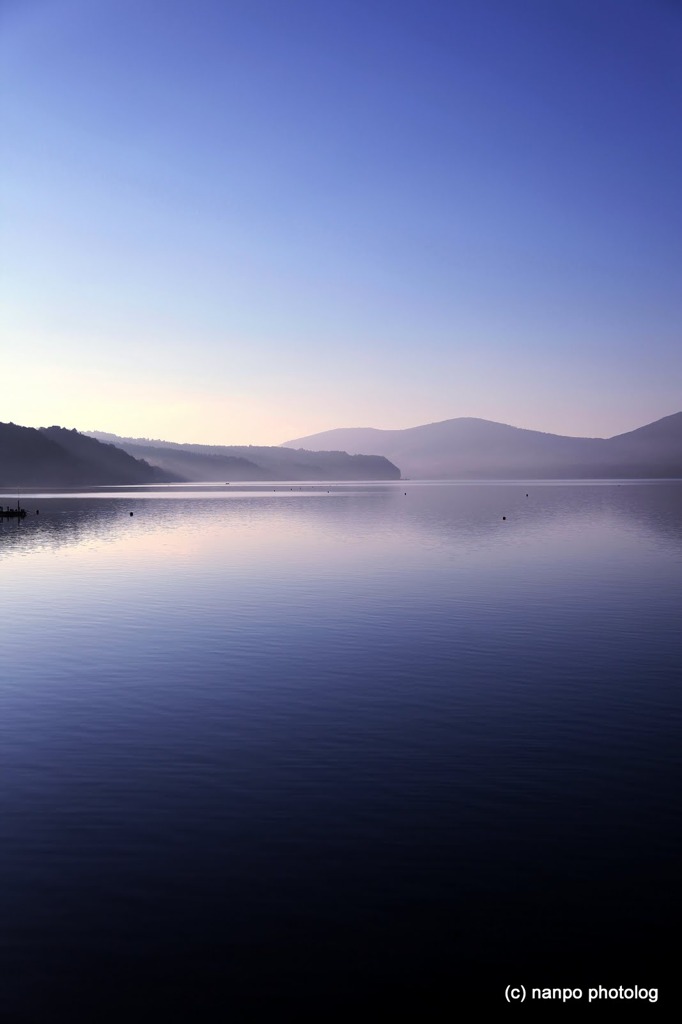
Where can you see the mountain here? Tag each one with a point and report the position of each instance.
(468, 448)
(251, 462)
(55, 457)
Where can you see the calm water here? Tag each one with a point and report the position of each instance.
(260, 746)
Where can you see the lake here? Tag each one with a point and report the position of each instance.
(282, 744)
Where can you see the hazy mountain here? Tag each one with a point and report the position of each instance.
(251, 462)
(192, 465)
(475, 448)
(55, 457)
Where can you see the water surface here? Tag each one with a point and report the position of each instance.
(271, 742)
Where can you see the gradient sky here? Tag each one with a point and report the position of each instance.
(243, 221)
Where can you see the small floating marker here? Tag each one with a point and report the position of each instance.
(504, 517)
(37, 511)
(526, 495)
(131, 513)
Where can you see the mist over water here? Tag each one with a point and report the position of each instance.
(267, 743)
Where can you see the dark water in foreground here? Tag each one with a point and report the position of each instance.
(311, 747)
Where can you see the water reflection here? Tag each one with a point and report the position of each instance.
(451, 513)
(336, 730)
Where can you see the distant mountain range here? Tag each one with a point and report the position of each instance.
(55, 457)
(453, 449)
(251, 462)
(468, 448)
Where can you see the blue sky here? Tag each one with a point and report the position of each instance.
(242, 222)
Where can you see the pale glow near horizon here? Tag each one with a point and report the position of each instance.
(90, 401)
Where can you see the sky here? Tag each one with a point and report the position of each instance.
(245, 221)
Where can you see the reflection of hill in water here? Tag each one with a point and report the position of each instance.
(454, 513)
(61, 523)
(476, 510)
